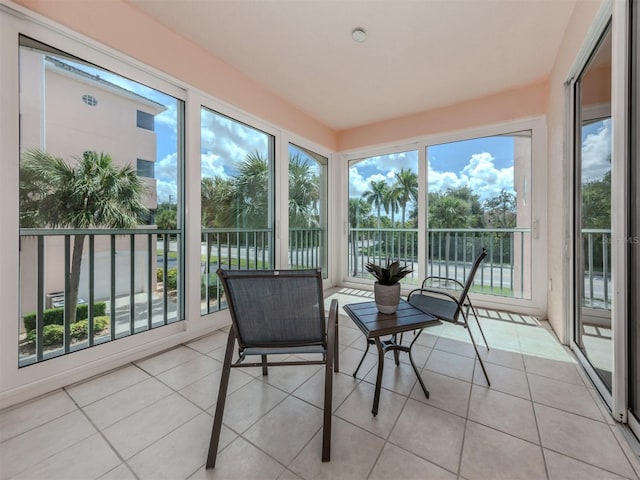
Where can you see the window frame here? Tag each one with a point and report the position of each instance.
(537, 194)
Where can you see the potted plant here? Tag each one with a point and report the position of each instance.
(387, 287)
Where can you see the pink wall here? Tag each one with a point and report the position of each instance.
(124, 28)
(509, 105)
(583, 16)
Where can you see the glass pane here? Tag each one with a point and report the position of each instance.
(479, 196)
(383, 212)
(89, 270)
(237, 163)
(307, 209)
(593, 211)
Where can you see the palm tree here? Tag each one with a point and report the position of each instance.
(392, 203)
(407, 185)
(93, 193)
(407, 182)
(304, 193)
(377, 196)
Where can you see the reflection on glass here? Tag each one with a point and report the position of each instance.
(593, 332)
(383, 212)
(99, 155)
(236, 201)
(478, 196)
(307, 209)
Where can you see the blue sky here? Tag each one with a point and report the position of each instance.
(484, 164)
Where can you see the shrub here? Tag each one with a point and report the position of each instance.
(213, 285)
(159, 275)
(54, 334)
(172, 279)
(80, 329)
(55, 316)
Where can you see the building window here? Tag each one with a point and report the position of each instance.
(90, 100)
(145, 120)
(146, 168)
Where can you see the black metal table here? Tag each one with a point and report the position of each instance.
(375, 325)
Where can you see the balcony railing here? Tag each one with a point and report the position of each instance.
(249, 249)
(450, 253)
(597, 272)
(130, 281)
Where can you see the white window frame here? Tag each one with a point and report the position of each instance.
(538, 193)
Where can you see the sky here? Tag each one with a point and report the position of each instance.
(483, 164)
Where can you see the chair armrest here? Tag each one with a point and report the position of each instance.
(447, 279)
(332, 335)
(434, 292)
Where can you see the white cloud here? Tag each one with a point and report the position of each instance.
(211, 166)
(229, 141)
(596, 153)
(480, 175)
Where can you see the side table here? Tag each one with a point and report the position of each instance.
(375, 325)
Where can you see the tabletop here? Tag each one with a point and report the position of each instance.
(375, 324)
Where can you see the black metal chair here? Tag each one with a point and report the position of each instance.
(448, 307)
(278, 312)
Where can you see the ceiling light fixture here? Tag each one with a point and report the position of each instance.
(359, 35)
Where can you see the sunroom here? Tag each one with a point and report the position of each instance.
(290, 135)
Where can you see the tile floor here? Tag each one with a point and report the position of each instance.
(152, 419)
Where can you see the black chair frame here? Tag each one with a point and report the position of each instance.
(327, 346)
(460, 314)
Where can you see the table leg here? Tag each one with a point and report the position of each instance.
(376, 397)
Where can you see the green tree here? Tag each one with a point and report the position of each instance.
(92, 193)
(377, 196)
(596, 203)
(448, 211)
(304, 193)
(501, 210)
(407, 183)
(167, 220)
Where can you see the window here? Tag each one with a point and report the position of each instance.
(237, 201)
(307, 209)
(90, 100)
(146, 168)
(145, 120)
(383, 212)
(478, 196)
(99, 283)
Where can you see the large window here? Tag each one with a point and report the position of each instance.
(479, 195)
(237, 201)
(307, 209)
(383, 213)
(89, 272)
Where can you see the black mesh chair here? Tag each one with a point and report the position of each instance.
(432, 299)
(278, 312)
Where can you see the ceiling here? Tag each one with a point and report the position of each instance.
(418, 54)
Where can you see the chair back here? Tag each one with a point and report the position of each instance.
(275, 308)
(470, 277)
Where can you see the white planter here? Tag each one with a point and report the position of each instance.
(387, 297)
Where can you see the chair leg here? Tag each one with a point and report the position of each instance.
(222, 397)
(265, 370)
(475, 314)
(475, 347)
(328, 386)
(333, 313)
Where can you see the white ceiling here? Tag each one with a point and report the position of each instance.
(418, 55)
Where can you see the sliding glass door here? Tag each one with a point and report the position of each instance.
(592, 268)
